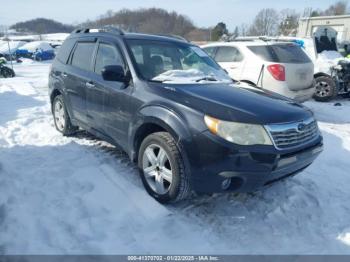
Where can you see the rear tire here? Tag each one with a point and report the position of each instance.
(326, 89)
(162, 169)
(61, 118)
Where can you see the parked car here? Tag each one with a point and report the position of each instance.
(8, 49)
(279, 67)
(37, 50)
(332, 69)
(41, 55)
(177, 114)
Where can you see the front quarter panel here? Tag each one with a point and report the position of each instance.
(184, 127)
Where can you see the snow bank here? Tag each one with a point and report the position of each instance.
(330, 55)
(48, 37)
(326, 60)
(55, 37)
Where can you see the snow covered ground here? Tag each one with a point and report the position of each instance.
(80, 195)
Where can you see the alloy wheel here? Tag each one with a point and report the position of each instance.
(60, 116)
(323, 89)
(157, 169)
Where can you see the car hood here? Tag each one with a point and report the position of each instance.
(234, 103)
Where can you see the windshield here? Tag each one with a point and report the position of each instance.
(175, 63)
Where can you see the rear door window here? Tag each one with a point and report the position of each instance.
(282, 53)
(83, 54)
(65, 50)
(228, 54)
(107, 54)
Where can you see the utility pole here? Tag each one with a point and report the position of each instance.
(8, 45)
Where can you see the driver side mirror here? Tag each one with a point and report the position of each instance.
(115, 73)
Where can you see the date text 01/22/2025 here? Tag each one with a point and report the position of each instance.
(173, 258)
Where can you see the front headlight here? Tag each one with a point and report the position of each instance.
(238, 133)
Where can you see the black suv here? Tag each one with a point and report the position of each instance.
(178, 114)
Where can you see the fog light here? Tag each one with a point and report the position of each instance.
(226, 183)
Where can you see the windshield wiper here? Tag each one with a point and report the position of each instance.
(207, 78)
(157, 81)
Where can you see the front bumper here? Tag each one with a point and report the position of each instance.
(247, 168)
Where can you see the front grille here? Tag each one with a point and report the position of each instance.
(293, 134)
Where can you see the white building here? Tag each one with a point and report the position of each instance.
(340, 23)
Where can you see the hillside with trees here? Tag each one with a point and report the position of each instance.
(152, 21)
(42, 26)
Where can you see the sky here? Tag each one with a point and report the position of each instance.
(203, 13)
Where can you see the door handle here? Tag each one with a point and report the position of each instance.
(64, 74)
(90, 85)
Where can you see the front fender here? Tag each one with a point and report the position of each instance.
(168, 120)
(165, 118)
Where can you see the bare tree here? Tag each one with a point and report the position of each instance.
(265, 23)
(3, 30)
(243, 29)
(235, 32)
(339, 8)
(289, 20)
(307, 12)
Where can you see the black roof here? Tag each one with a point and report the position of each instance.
(119, 33)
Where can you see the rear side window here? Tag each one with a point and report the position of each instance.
(107, 55)
(228, 54)
(83, 55)
(284, 53)
(65, 50)
(210, 50)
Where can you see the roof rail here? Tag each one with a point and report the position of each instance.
(178, 37)
(264, 38)
(108, 28)
(253, 38)
(111, 29)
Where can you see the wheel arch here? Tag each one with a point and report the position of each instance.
(58, 91)
(54, 93)
(153, 119)
(321, 74)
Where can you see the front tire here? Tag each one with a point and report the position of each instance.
(162, 169)
(61, 117)
(326, 89)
